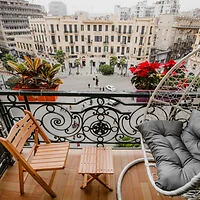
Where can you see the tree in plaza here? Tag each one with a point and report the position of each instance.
(106, 69)
(77, 64)
(60, 58)
(113, 60)
(122, 63)
(6, 58)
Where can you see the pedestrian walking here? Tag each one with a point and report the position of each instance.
(97, 81)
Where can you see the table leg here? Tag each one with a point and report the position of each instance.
(96, 176)
(86, 181)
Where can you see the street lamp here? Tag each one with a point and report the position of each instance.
(91, 64)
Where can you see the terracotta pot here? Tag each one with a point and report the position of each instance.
(36, 98)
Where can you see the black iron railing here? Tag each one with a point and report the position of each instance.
(79, 117)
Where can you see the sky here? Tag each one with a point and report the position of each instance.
(107, 6)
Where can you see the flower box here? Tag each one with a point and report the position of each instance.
(141, 99)
(36, 98)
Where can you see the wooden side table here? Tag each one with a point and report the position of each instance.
(96, 161)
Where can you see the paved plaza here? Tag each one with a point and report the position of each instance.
(79, 83)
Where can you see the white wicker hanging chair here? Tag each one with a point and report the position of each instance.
(174, 99)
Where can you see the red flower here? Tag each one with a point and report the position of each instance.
(169, 64)
(183, 83)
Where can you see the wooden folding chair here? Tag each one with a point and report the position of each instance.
(42, 157)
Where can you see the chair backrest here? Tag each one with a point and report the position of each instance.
(177, 94)
(20, 132)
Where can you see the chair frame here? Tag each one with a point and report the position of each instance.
(40, 157)
(190, 189)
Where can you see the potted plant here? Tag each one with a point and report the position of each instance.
(147, 75)
(35, 75)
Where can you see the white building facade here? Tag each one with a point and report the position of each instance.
(92, 39)
(14, 21)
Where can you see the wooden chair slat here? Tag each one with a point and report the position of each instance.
(15, 128)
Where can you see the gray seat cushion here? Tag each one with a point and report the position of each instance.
(175, 164)
(191, 134)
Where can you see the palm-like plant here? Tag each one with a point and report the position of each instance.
(113, 61)
(60, 57)
(77, 64)
(122, 63)
(35, 73)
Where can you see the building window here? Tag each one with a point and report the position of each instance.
(118, 49)
(70, 28)
(53, 39)
(88, 27)
(137, 29)
(106, 39)
(75, 28)
(106, 28)
(113, 27)
(129, 29)
(66, 38)
(135, 40)
(58, 38)
(105, 49)
(57, 27)
(119, 38)
(112, 38)
(142, 30)
(141, 40)
(76, 38)
(83, 49)
(122, 51)
(95, 49)
(71, 39)
(94, 27)
(52, 28)
(100, 27)
(89, 48)
(140, 51)
(82, 38)
(65, 28)
(89, 39)
(67, 49)
(124, 40)
(77, 50)
(151, 28)
(111, 50)
(127, 50)
(98, 38)
(82, 27)
(119, 28)
(72, 50)
(124, 29)
(129, 39)
(99, 49)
